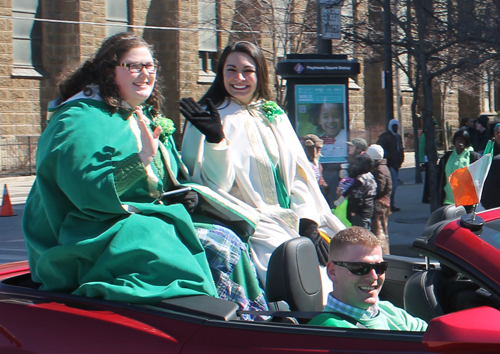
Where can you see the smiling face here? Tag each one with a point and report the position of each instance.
(135, 88)
(240, 77)
(356, 290)
(331, 118)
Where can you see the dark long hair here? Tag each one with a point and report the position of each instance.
(99, 70)
(218, 93)
(462, 134)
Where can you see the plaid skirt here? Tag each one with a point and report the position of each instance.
(232, 269)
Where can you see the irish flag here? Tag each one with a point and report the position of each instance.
(467, 183)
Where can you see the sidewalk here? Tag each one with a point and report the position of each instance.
(18, 187)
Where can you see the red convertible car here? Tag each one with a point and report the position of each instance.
(458, 292)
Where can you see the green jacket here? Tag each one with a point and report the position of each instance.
(91, 223)
(389, 317)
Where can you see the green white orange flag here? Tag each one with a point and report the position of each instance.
(467, 182)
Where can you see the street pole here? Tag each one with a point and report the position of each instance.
(389, 99)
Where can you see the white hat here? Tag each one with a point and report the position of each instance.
(375, 151)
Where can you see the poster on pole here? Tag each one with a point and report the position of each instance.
(322, 110)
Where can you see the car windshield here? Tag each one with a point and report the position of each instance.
(490, 233)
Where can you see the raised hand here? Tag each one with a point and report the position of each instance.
(207, 122)
(149, 140)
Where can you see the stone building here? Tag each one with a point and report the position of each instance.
(39, 39)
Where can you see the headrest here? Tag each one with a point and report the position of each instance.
(446, 212)
(293, 276)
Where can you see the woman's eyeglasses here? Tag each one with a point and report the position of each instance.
(137, 67)
(362, 268)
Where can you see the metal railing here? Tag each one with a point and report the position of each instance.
(17, 155)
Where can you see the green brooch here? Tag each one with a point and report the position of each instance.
(157, 120)
(166, 124)
(272, 110)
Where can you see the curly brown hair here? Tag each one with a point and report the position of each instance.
(99, 70)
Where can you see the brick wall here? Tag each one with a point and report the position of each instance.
(19, 96)
(23, 100)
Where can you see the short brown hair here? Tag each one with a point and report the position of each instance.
(354, 235)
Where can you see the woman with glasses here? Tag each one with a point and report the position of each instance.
(94, 222)
(357, 270)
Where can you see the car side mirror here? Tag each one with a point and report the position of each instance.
(475, 330)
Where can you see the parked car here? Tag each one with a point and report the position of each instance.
(458, 291)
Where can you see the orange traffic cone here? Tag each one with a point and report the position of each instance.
(6, 209)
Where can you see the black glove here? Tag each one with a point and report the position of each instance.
(309, 229)
(189, 200)
(207, 122)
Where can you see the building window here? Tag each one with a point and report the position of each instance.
(27, 38)
(116, 15)
(207, 39)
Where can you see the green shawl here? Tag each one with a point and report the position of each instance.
(90, 222)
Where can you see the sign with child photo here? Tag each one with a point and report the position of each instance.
(321, 110)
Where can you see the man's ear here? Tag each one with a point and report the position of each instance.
(332, 271)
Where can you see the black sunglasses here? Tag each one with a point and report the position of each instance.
(362, 268)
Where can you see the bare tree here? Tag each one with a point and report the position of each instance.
(279, 26)
(441, 37)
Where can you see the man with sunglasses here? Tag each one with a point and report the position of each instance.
(357, 270)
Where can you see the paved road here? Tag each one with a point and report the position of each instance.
(12, 247)
(404, 226)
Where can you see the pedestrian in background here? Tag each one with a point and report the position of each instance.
(481, 136)
(392, 144)
(491, 191)
(461, 156)
(382, 203)
(361, 194)
(354, 147)
(312, 146)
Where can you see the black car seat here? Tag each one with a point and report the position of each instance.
(423, 294)
(293, 276)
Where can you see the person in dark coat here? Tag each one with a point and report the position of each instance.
(354, 147)
(491, 190)
(481, 136)
(392, 144)
(361, 194)
(461, 156)
(382, 203)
